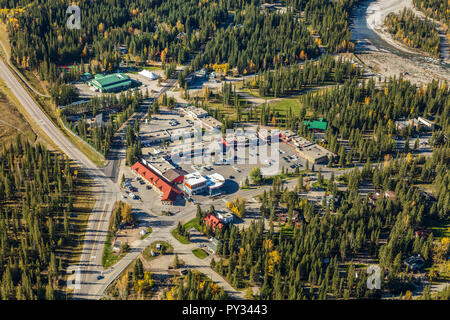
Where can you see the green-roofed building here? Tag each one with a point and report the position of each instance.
(316, 125)
(111, 83)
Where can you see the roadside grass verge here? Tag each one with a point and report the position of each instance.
(109, 258)
(149, 232)
(199, 253)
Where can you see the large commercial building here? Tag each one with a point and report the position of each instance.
(315, 153)
(111, 83)
(203, 116)
(195, 112)
(306, 149)
(196, 183)
(169, 193)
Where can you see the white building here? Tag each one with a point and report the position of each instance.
(195, 183)
(225, 217)
(148, 74)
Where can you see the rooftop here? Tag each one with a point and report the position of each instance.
(316, 125)
(169, 192)
(194, 179)
(110, 81)
(211, 122)
(215, 180)
(314, 152)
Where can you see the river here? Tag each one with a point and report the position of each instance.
(366, 39)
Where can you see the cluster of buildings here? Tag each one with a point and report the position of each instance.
(306, 149)
(203, 116)
(172, 181)
(418, 123)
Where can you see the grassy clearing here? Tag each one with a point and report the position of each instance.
(152, 68)
(12, 121)
(179, 237)
(31, 121)
(4, 39)
(199, 253)
(253, 92)
(283, 106)
(192, 224)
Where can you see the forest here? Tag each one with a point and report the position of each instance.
(151, 30)
(258, 41)
(411, 30)
(195, 286)
(365, 115)
(436, 9)
(295, 78)
(174, 31)
(100, 136)
(36, 204)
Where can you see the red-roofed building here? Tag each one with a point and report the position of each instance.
(423, 233)
(168, 191)
(213, 221)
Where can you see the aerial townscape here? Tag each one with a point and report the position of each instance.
(224, 150)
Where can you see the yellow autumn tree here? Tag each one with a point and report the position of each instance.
(164, 55)
(274, 259)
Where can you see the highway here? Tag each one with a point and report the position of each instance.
(105, 190)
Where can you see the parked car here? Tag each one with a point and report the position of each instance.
(184, 272)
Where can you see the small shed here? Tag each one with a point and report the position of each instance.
(116, 246)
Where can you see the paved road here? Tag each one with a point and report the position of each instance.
(105, 190)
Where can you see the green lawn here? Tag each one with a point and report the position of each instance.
(192, 224)
(149, 231)
(166, 248)
(179, 237)
(153, 68)
(199, 253)
(109, 257)
(284, 105)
